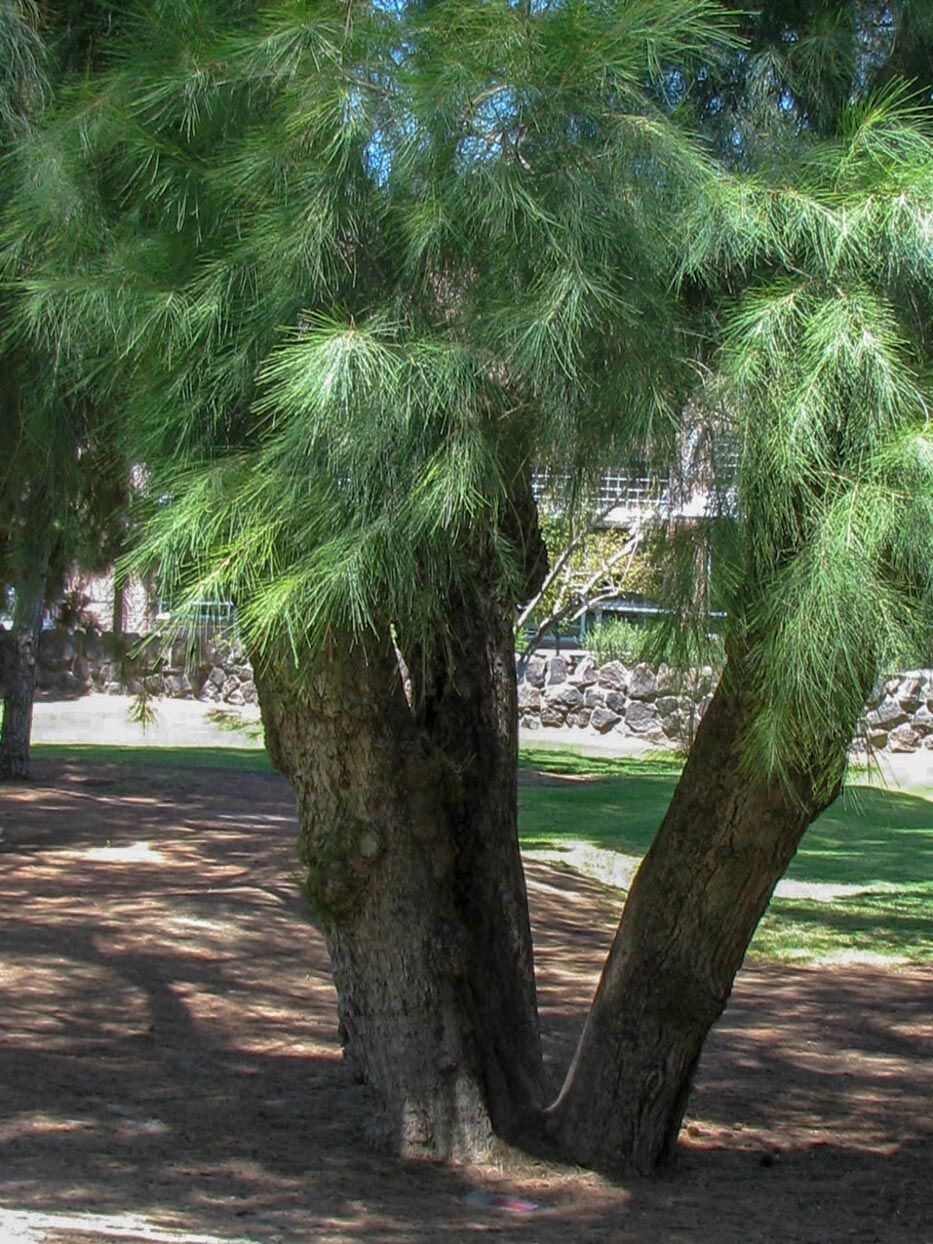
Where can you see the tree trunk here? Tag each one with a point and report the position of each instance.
(694, 905)
(21, 669)
(410, 850)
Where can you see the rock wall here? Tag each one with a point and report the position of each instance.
(664, 706)
(659, 704)
(74, 662)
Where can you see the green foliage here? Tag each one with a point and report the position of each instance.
(617, 639)
(351, 272)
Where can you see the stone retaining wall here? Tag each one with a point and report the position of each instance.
(570, 691)
(664, 706)
(74, 662)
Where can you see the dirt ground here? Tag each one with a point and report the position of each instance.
(169, 1069)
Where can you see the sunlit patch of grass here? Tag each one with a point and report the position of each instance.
(878, 841)
(243, 759)
(891, 924)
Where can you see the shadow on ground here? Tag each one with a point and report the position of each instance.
(168, 1050)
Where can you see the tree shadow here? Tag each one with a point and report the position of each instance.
(168, 1048)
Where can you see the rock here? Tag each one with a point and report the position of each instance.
(57, 649)
(615, 701)
(612, 675)
(243, 672)
(669, 681)
(531, 723)
(249, 692)
(641, 717)
(178, 686)
(230, 684)
(535, 672)
(667, 704)
(603, 719)
(564, 696)
(585, 674)
(594, 697)
(557, 671)
(888, 714)
(153, 684)
(68, 683)
(217, 676)
(580, 719)
(877, 739)
(210, 692)
(528, 697)
(922, 721)
(552, 715)
(181, 653)
(235, 697)
(903, 739)
(643, 685)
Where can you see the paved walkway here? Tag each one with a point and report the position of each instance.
(188, 723)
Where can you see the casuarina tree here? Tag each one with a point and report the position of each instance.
(355, 270)
(62, 481)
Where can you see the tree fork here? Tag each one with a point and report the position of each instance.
(696, 900)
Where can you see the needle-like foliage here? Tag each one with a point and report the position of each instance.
(353, 268)
(823, 372)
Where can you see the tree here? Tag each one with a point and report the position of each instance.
(61, 476)
(357, 270)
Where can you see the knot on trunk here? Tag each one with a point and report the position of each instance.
(339, 867)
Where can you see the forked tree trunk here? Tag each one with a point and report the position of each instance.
(726, 840)
(410, 850)
(20, 673)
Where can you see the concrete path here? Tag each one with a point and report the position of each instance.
(187, 723)
(107, 719)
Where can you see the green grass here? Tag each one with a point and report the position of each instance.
(878, 841)
(242, 759)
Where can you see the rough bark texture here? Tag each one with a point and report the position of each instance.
(19, 675)
(725, 842)
(410, 851)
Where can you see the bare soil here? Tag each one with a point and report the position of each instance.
(169, 1066)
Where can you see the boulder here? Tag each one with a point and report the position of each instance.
(585, 673)
(903, 739)
(528, 697)
(553, 715)
(615, 701)
(594, 697)
(613, 675)
(557, 671)
(643, 685)
(535, 672)
(564, 696)
(887, 715)
(603, 719)
(641, 717)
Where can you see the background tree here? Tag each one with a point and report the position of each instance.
(62, 479)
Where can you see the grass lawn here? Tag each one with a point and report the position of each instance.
(860, 885)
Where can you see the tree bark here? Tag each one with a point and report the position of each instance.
(696, 900)
(21, 670)
(409, 848)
